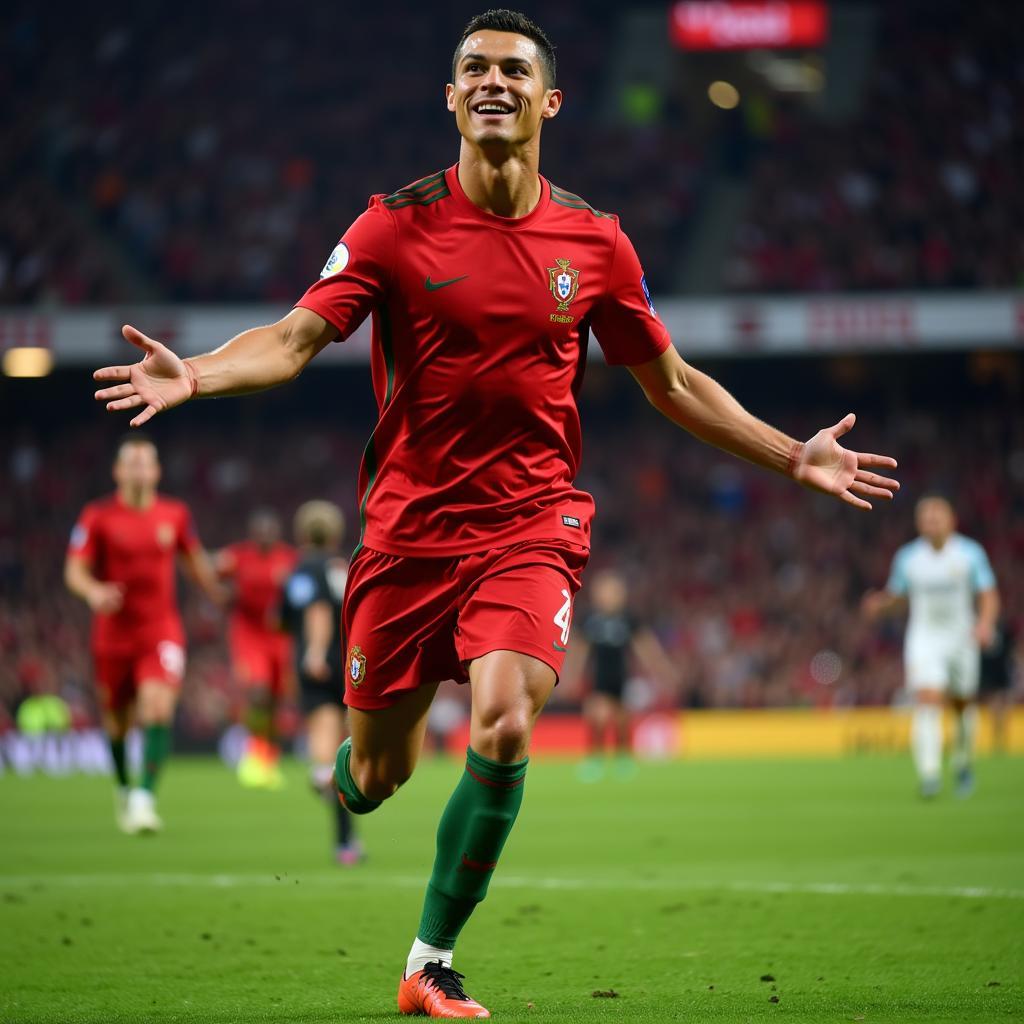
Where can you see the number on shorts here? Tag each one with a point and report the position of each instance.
(172, 658)
(564, 616)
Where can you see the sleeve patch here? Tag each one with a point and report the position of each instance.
(79, 536)
(301, 590)
(647, 294)
(337, 261)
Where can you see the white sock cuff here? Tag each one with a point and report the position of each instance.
(422, 953)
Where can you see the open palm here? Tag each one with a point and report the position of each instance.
(823, 464)
(159, 381)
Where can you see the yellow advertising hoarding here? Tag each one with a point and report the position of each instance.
(795, 732)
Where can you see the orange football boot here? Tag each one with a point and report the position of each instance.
(437, 991)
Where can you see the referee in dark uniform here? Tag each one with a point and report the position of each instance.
(609, 635)
(996, 687)
(312, 614)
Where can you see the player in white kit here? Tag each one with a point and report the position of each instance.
(948, 582)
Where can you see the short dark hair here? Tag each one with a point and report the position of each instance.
(503, 20)
(136, 437)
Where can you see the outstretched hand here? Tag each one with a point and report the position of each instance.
(159, 381)
(823, 464)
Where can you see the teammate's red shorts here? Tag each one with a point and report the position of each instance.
(119, 672)
(260, 657)
(408, 622)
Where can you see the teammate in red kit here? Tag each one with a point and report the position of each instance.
(484, 282)
(121, 562)
(261, 652)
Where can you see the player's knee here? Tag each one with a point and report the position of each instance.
(156, 704)
(503, 734)
(260, 699)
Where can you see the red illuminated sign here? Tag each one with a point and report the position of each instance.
(733, 25)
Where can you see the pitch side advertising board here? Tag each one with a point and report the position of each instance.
(729, 25)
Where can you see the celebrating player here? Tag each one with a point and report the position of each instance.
(260, 650)
(312, 613)
(942, 575)
(484, 281)
(121, 563)
(606, 638)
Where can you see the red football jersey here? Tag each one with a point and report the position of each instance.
(136, 548)
(480, 328)
(259, 575)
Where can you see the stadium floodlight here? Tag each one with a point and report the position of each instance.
(724, 95)
(27, 361)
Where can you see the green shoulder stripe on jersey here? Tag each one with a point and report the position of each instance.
(425, 184)
(420, 193)
(574, 202)
(399, 202)
(370, 451)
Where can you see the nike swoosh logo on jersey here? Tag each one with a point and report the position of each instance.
(432, 286)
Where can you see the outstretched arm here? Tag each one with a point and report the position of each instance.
(648, 649)
(699, 404)
(877, 604)
(254, 360)
(198, 567)
(988, 615)
(102, 597)
(571, 676)
(318, 626)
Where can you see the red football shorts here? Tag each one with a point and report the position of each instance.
(408, 622)
(119, 673)
(260, 657)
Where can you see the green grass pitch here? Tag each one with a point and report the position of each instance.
(783, 891)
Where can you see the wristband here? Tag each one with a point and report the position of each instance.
(794, 457)
(193, 378)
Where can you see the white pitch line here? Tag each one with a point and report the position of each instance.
(368, 879)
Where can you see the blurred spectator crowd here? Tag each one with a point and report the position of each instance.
(197, 153)
(752, 584)
(922, 189)
(219, 152)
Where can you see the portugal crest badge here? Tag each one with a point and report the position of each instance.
(356, 665)
(165, 535)
(564, 283)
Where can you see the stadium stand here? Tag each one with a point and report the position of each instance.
(921, 190)
(195, 154)
(224, 170)
(752, 584)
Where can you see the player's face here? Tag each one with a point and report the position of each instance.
(499, 97)
(264, 529)
(609, 593)
(137, 468)
(935, 519)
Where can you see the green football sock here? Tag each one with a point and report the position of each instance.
(156, 745)
(470, 837)
(354, 800)
(117, 754)
(259, 714)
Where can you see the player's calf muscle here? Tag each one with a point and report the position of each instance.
(380, 778)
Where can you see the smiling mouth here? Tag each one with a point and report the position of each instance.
(492, 109)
